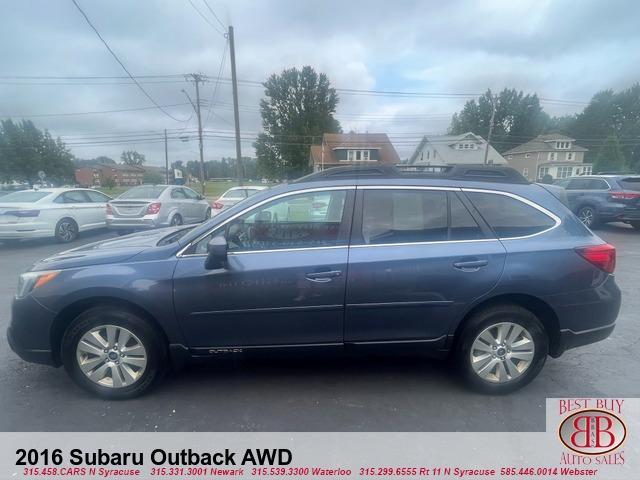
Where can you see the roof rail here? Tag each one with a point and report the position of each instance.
(479, 173)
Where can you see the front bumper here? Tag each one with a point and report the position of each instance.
(29, 333)
(9, 231)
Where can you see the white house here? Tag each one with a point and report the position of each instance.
(467, 148)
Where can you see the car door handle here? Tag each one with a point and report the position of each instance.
(471, 265)
(322, 277)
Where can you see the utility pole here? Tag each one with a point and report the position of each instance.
(236, 114)
(493, 114)
(166, 158)
(197, 78)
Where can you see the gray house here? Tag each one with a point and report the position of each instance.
(552, 154)
(467, 148)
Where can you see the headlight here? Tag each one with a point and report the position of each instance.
(29, 281)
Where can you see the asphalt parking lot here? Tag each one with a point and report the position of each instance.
(322, 394)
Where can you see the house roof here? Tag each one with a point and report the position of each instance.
(544, 143)
(122, 167)
(448, 155)
(335, 141)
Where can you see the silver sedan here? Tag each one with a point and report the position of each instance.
(155, 206)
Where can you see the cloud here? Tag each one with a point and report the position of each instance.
(559, 49)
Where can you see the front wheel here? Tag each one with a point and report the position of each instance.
(502, 348)
(113, 353)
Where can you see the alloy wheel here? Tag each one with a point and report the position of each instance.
(66, 231)
(176, 220)
(111, 356)
(586, 216)
(502, 352)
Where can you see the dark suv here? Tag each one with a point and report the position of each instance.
(472, 263)
(599, 199)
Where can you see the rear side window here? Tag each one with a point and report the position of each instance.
(74, 196)
(399, 216)
(509, 217)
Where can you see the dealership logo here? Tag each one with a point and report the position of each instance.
(592, 432)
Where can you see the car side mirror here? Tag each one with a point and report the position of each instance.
(216, 253)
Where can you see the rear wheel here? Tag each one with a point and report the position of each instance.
(502, 348)
(588, 216)
(176, 220)
(113, 353)
(66, 230)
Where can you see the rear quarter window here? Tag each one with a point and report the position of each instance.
(630, 183)
(509, 217)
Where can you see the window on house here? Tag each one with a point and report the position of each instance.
(542, 172)
(358, 155)
(527, 155)
(525, 172)
(565, 172)
(553, 156)
(587, 170)
(569, 156)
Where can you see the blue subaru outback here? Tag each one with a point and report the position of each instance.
(472, 263)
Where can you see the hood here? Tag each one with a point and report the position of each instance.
(113, 250)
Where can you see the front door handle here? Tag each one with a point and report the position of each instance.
(322, 277)
(471, 265)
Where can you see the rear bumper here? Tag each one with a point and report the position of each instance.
(586, 317)
(142, 223)
(26, 230)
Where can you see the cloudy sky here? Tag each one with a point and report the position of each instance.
(49, 60)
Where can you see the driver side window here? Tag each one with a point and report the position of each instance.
(297, 221)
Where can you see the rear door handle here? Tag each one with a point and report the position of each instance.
(471, 265)
(322, 277)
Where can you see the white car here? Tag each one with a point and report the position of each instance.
(234, 195)
(51, 212)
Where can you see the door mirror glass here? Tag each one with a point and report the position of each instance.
(216, 253)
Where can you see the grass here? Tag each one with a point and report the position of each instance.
(213, 188)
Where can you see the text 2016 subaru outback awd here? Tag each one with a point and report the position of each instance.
(476, 263)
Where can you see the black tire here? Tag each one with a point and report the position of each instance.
(635, 225)
(207, 214)
(491, 316)
(151, 339)
(66, 230)
(588, 216)
(176, 220)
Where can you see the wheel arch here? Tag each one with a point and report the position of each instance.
(541, 309)
(69, 313)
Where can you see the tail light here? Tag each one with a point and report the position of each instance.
(24, 213)
(217, 205)
(109, 209)
(624, 195)
(602, 256)
(153, 208)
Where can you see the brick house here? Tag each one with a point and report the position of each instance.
(340, 149)
(123, 175)
(553, 154)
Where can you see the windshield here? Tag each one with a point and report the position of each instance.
(24, 197)
(144, 191)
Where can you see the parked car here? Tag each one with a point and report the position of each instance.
(476, 264)
(598, 199)
(233, 196)
(153, 206)
(51, 212)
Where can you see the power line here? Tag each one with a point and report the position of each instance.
(68, 114)
(206, 19)
(122, 64)
(217, 84)
(214, 14)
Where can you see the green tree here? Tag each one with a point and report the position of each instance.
(25, 150)
(610, 156)
(109, 183)
(131, 157)
(518, 118)
(297, 110)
